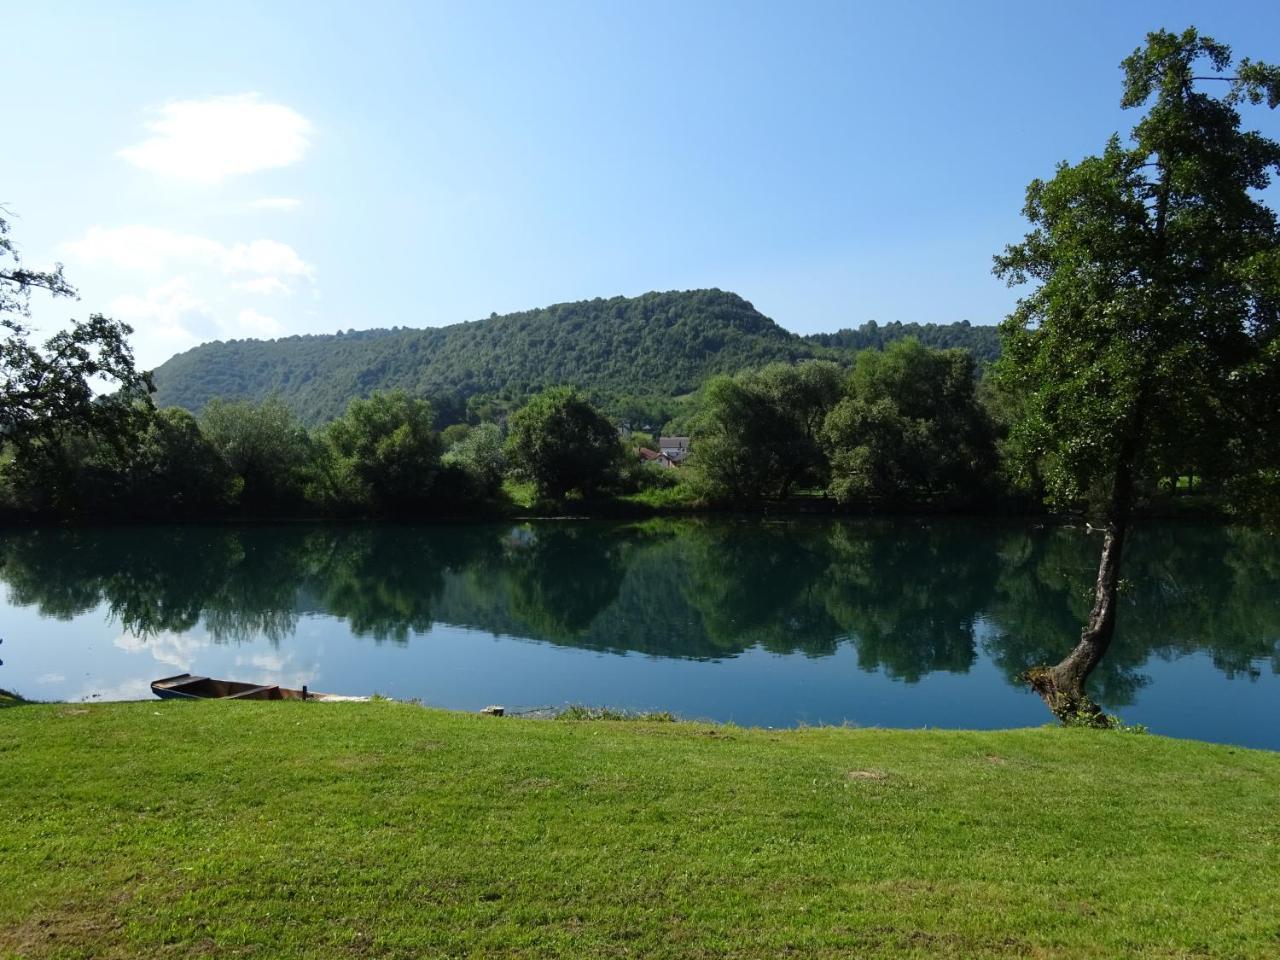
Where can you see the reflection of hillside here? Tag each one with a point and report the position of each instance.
(909, 597)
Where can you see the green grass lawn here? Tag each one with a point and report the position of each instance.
(386, 830)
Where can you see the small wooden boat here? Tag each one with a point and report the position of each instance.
(185, 686)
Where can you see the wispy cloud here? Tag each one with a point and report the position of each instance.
(154, 249)
(212, 139)
(194, 288)
(176, 649)
(169, 317)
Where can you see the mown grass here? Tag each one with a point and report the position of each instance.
(387, 830)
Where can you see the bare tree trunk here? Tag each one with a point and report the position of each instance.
(1063, 686)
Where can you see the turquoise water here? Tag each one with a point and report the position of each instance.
(887, 623)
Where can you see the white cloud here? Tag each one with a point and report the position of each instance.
(219, 137)
(149, 249)
(175, 649)
(272, 668)
(265, 258)
(169, 318)
(263, 285)
(153, 249)
(276, 203)
(196, 288)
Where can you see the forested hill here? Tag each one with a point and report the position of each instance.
(982, 342)
(658, 345)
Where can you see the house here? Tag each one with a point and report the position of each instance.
(661, 459)
(674, 448)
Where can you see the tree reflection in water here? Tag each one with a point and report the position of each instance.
(912, 597)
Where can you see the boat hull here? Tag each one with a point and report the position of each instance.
(186, 686)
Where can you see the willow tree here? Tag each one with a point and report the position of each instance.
(1148, 343)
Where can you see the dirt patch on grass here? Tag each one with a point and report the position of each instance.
(853, 776)
(94, 929)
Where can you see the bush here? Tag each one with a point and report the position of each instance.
(562, 444)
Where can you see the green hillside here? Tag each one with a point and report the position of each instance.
(983, 341)
(659, 345)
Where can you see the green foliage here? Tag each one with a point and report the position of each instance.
(17, 281)
(910, 599)
(176, 471)
(562, 444)
(633, 356)
(264, 445)
(657, 345)
(910, 427)
(49, 412)
(454, 434)
(1148, 348)
(983, 342)
(383, 453)
(757, 436)
(480, 455)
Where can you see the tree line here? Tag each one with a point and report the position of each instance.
(905, 425)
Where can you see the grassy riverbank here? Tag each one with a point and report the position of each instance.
(382, 829)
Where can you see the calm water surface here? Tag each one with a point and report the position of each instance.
(893, 623)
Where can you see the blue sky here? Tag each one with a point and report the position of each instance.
(216, 170)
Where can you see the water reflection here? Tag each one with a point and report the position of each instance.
(910, 598)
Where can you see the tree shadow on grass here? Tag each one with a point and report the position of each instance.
(10, 699)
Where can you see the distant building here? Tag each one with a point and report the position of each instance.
(674, 448)
(661, 459)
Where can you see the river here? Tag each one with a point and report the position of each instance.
(896, 623)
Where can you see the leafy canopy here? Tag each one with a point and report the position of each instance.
(563, 444)
(910, 427)
(50, 392)
(384, 451)
(1147, 345)
(757, 437)
(263, 444)
(632, 355)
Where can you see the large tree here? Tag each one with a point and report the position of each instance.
(384, 452)
(265, 447)
(910, 427)
(561, 443)
(757, 436)
(1148, 343)
(80, 385)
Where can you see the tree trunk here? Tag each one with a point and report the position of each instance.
(1063, 686)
